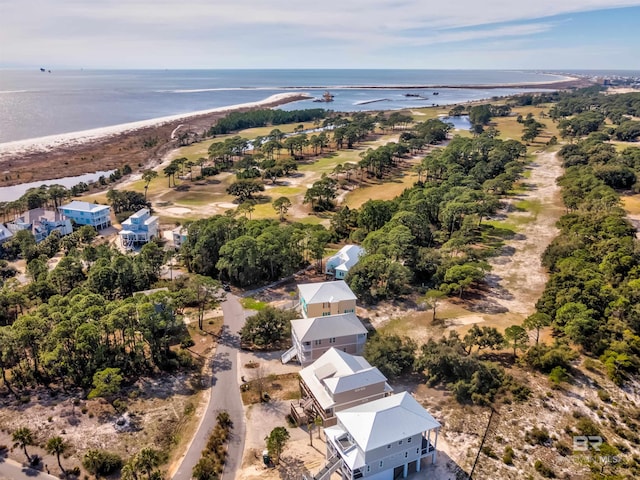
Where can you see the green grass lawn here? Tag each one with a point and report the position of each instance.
(253, 304)
(532, 206)
(510, 128)
(512, 224)
(284, 191)
(390, 190)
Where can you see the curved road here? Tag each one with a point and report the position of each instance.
(12, 470)
(224, 395)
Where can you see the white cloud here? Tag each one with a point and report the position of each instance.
(69, 30)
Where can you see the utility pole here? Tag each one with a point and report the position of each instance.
(484, 437)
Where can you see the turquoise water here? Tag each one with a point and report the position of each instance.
(35, 104)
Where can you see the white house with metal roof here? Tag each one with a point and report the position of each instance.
(340, 264)
(85, 213)
(41, 223)
(139, 229)
(326, 298)
(311, 337)
(335, 382)
(380, 440)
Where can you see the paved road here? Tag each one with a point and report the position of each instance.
(12, 470)
(225, 395)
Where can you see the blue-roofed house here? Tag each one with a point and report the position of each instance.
(85, 213)
(139, 228)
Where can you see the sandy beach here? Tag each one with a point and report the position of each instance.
(50, 142)
(76, 153)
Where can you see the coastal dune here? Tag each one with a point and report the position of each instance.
(43, 144)
(107, 148)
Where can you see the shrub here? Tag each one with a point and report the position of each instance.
(539, 436)
(563, 449)
(543, 469)
(507, 457)
(604, 396)
(101, 462)
(521, 393)
(558, 375)
(489, 452)
(590, 364)
(545, 358)
(585, 426)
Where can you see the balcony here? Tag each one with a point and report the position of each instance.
(427, 447)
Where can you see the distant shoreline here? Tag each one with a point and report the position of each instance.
(108, 148)
(49, 142)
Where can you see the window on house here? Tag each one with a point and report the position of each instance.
(307, 344)
(388, 446)
(400, 442)
(406, 454)
(418, 450)
(409, 440)
(318, 342)
(332, 340)
(381, 463)
(368, 468)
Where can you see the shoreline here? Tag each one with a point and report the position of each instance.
(142, 144)
(137, 144)
(49, 142)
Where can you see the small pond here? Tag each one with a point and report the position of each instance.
(459, 123)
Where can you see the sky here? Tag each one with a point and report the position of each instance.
(446, 34)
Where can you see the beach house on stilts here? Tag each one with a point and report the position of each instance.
(381, 440)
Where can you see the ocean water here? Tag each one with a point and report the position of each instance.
(35, 104)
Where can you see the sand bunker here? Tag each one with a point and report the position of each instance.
(452, 322)
(178, 210)
(226, 205)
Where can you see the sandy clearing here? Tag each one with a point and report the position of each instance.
(518, 278)
(178, 210)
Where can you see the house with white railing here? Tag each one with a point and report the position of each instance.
(334, 382)
(380, 440)
(85, 213)
(139, 228)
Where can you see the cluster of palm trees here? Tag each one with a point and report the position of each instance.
(144, 463)
(23, 437)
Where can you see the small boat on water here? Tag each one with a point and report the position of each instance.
(326, 97)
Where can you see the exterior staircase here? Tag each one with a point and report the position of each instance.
(288, 355)
(330, 467)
